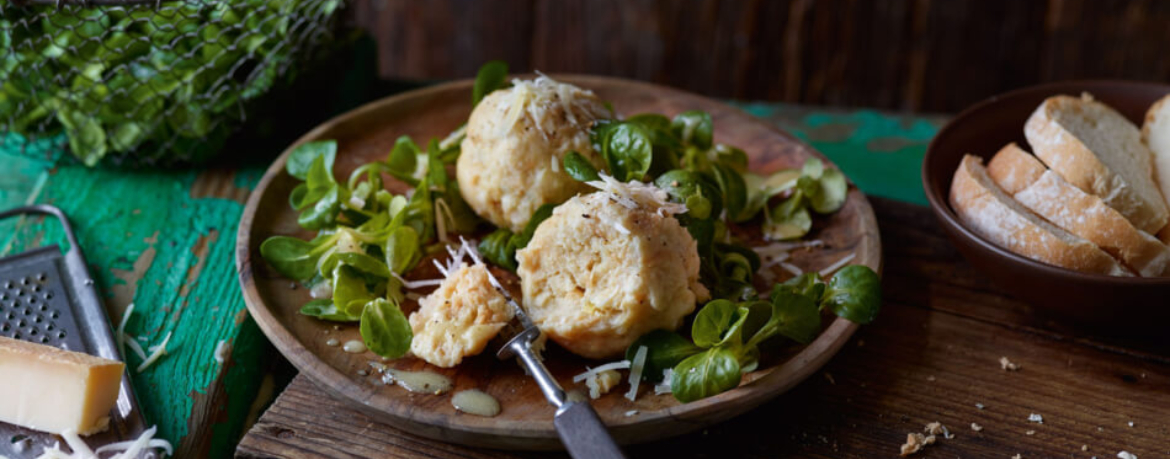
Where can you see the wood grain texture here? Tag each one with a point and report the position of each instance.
(895, 54)
(368, 132)
(162, 241)
(932, 355)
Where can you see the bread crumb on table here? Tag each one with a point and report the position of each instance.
(976, 427)
(1126, 455)
(1030, 432)
(1036, 418)
(915, 442)
(1016, 457)
(1008, 365)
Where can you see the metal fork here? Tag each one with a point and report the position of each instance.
(581, 431)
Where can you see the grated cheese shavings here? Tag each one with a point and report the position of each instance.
(156, 352)
(838, 264)
(442, 216)
(590, 372)
(417, 284)
(795, 270)
(122, 328)
(132, 342)
(636, 372)
(454, 137)
(634, 194)
(664, 386)
(132, 449)
(222, 349)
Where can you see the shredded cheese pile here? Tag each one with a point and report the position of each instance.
(601, 379)
(466, 250)
(633, 194)
(534, 97)
(132, 449)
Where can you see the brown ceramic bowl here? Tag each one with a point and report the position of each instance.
(1100, 301)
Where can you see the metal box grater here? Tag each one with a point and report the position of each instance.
(48, 297)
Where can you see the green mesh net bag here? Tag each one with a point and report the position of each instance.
(146, 82)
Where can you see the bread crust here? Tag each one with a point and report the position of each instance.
(1069, 156)
(1014, 169)
(1077, 212)
(1161, 156)
(987, 210)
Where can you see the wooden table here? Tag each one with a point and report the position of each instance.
(163, 241)
(933, 355)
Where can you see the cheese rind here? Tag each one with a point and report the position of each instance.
(53, 390)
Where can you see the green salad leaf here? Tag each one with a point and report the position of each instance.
(664, 350)
(324, 309)
(580, 168)
(855, 293)
(707, 373)
(492, 76)
(384, 329)
(501, 245)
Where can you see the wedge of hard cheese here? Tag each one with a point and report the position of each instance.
(1156, 135)
(989, 211)
(53, 390)
(1099, 151)
(1045, 193)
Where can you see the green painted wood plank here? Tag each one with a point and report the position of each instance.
(880, 152)
(149, 241)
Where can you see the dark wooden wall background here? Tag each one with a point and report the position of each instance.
(922, 55)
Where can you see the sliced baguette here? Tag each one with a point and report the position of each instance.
(1099, 151)
(987, 210)
(1156, 135)
(1045, 193)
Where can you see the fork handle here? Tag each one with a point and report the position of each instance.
(583, 433)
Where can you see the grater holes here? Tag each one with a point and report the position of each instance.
(33, 332)
(37, 288)
(9, 285)
(41, 277)
(61, 334)
(44, 307)
(24, 281)
(44, 340)
(5, 327)
(48, 296)
(54, 315)
(38, 319)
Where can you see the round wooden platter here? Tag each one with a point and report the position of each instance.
(368, 133)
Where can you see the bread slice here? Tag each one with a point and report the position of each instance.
(1080, 213)
(987, 210)
(1099, 151)
(1156, 135)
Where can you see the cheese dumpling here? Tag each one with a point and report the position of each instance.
(607, 268)
(510, 161)
(459, 318)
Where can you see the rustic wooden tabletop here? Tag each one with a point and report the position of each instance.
(163, 241)
(933, 355)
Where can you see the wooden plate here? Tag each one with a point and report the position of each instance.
(368, 133)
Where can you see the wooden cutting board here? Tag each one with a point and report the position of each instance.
(368, 133)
